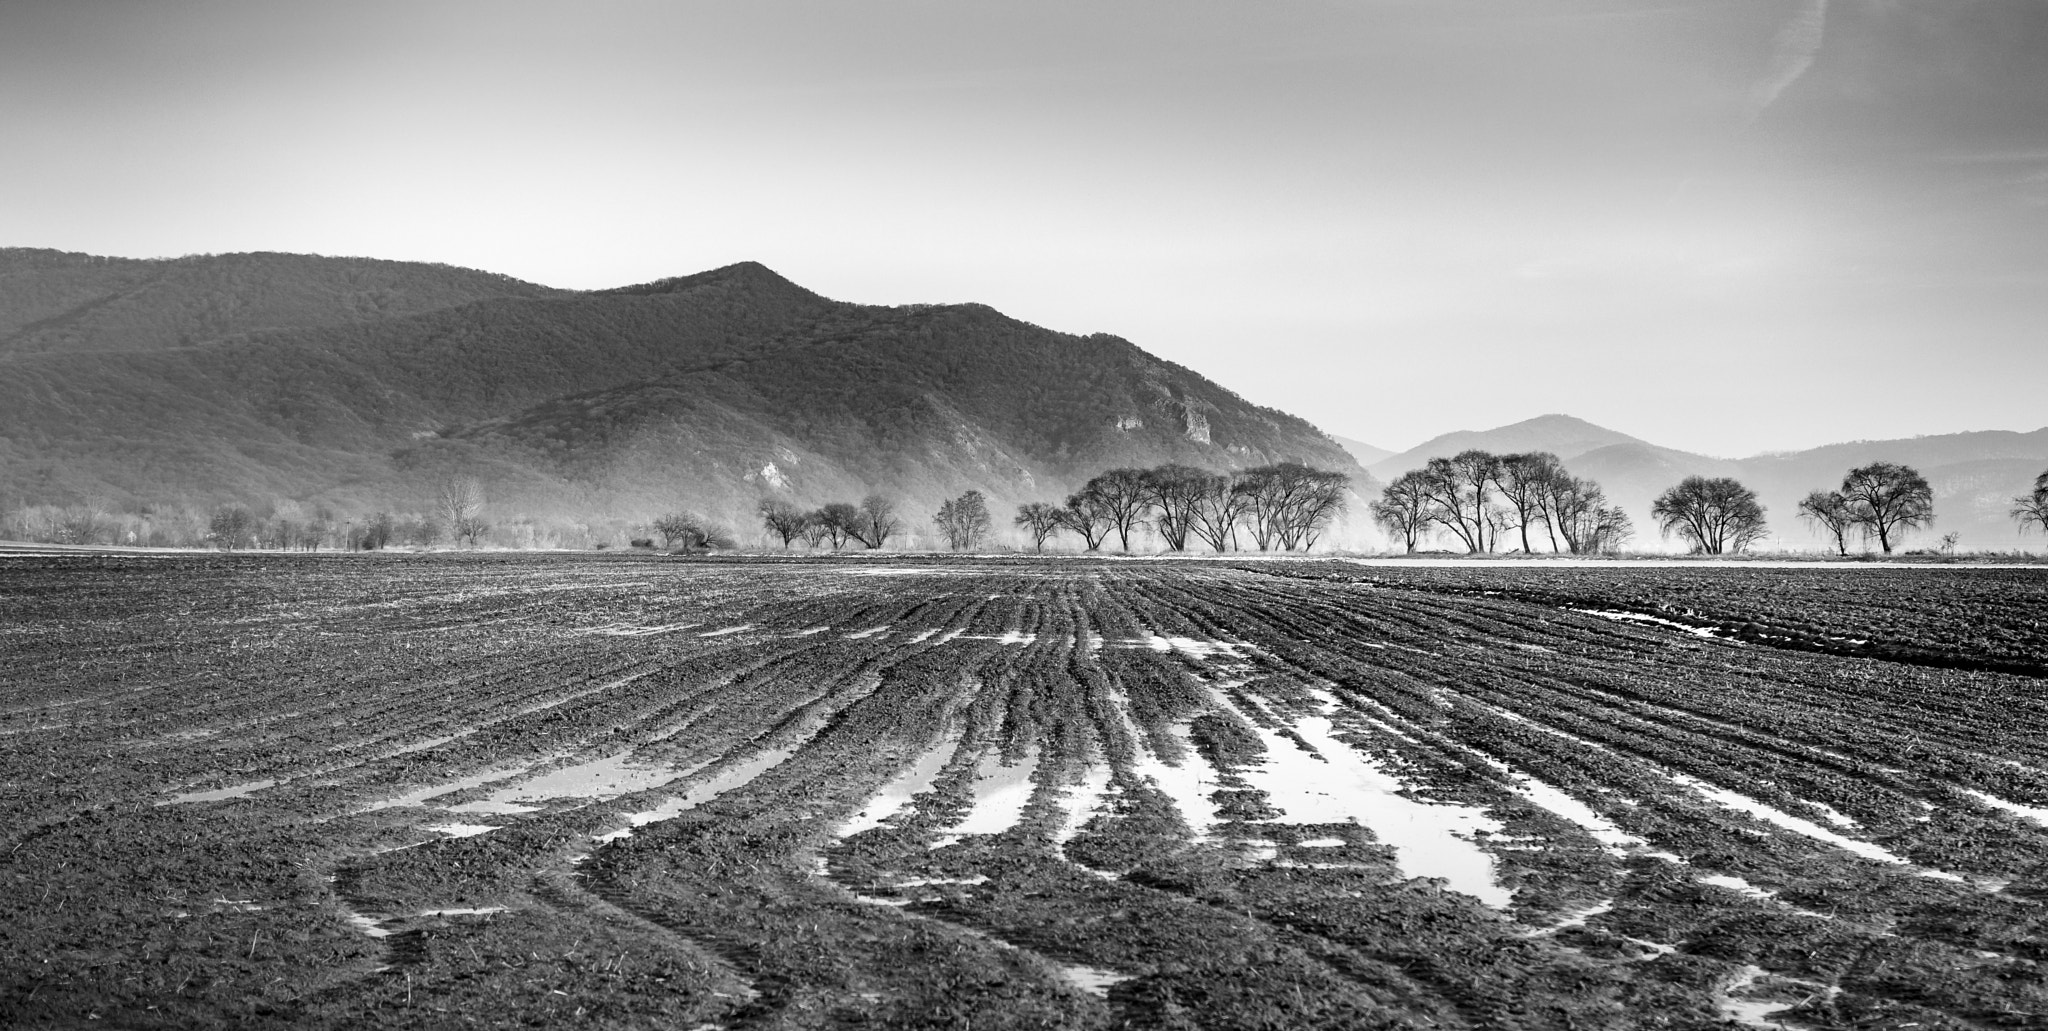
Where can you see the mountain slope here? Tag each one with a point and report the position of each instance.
(704, 391)
(59, 302)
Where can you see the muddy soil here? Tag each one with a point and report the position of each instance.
(634, 792)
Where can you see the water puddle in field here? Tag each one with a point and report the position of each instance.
(922, 636)
(1085, 800)
(1093, 980)
(810, 631)
(730, 779)
(1576, 917)
(1565, 806)
(2037, 814)
(1743, 803)
(463, 830)
(485, 911)
(1000, 795)
(1192, 647)
(1737, 884)
(490, 808)
(476, 780)
(1637, 617)
(1748, 1012)
(368, 925)
(219, 794)
(1189, 783)
(1017, 637)
(1832, 815)
(1322, 843)
(605, 778)
(898, 792)
(728, 630)
(630, 630)
(859, 635)
(1338, 784)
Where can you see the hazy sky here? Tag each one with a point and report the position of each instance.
(1726, 226)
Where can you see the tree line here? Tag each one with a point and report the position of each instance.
(1477, 496)
(1286, 506)
(1879, 501)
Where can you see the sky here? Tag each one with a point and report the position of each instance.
(1727, 226)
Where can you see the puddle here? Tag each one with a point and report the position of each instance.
(1189, 784)
(485, 911)
(219, 794)
(1832, 815)
(1000, 795)
(898, 792)
(476, 780)
(1748, 1012)
(1085, 802)
(1563, 805)
(1744, 803)
(463, 830)
(490, 808)
(869, 632)
(369, 925)
(730, 779)
(2037, 814)
(605, 778)
(921, 882)
(1737, 884)
(1577, 917)
(1322, 843)
(1093, 980)
(1637, 617)
(1337, 784)
(811, 631)
(1192, 647)
(629, 630)
(923, 635)
(727, 630)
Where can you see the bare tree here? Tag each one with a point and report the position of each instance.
(691, 532)
(1403, 509)
(1523, 480)
(1829, 510)
(1087, 515)
(964, 521)
(1040, 520)
(674, 526)
(1884, 497)
(1174, 493)
(783, 519)
(2031, 510)
(1461, 489)
(1577, 510)
(838, 521)
(231, 527)
(1220, 510)
(877, 521)
(1715, 516)
(1291, 503)
(1120, 494)
(459, 503)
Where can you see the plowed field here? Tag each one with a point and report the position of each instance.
(634, 792)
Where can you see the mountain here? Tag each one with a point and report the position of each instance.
(1365, 453)
(1559, 434)
(706, 391)
(56, 301)
(1974, 475)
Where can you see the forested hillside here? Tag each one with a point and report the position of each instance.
(706, 391)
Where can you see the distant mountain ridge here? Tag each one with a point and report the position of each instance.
(1974, 474)
(244, 377)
